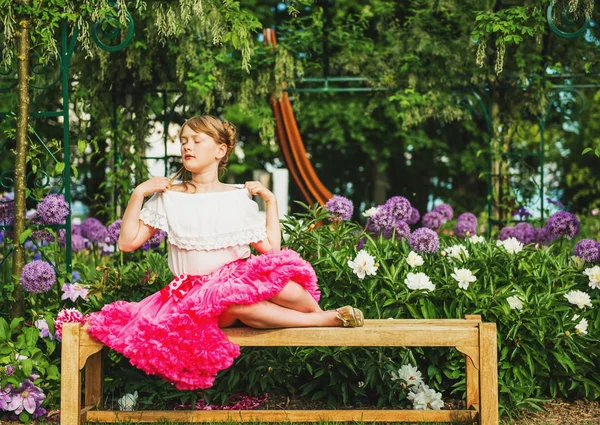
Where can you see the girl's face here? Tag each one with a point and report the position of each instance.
(199, 151)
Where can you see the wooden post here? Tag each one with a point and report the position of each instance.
(70, 388)
(93, 381)
(488, 345)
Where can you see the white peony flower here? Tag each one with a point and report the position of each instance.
(579, 298)
(582, 326)
(477, 239)
(594, 275)
(410, 375)
(515, 303)
(370, 212)
(128, 401)
(426, 398)
(464, 277)
(414, 259)
(458, 252)
(512, 245)
(363, 264)
(419, 281)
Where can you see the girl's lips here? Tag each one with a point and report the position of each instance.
(189, 157)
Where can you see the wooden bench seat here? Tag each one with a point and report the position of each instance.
(476, 340)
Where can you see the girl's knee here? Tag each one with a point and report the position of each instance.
(292, 290)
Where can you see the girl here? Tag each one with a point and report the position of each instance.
(175, 333)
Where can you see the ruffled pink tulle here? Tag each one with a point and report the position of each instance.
(178, 337)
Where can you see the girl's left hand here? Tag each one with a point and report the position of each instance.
(257, 188)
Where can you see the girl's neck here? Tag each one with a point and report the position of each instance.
(208, 182)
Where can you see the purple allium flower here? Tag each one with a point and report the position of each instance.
(381, 221)
(414, 216)
(433, 220)
(507, 232)
(157, 237)
(563, 223)
(7, 210)
(28, 397)
(361, 244)
(424, 240)
(9, 370)
(38, 276)
(465, 228)
(340, 208)
(76, 229)
(5, 396)
(114, 230)
(401, 230)
(542, 236)
(399, 207)
(445, 211)
(77, 243)
(588, 250)
(469, 217)
(41, 234)
(93, 230)
(525, 233)
(53, 209)
(522, 213)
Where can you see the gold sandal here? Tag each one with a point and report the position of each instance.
(351, 317)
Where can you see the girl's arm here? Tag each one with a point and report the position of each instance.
(273, 227)
(135, 232)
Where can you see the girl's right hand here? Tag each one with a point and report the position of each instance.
(155, 184)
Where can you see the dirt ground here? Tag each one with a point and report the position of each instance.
(559, 412)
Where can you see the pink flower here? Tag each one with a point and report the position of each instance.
(74, 291)
(67, 315)
(595, 211)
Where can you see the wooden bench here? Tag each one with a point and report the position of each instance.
(474, 339)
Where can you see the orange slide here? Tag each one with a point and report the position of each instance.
(291, 144)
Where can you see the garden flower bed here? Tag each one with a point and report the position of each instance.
(540, 285)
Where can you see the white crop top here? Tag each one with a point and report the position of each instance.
(205, 230)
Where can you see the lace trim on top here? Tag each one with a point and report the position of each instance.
(152, 214)
(154, 219)
(223, 240)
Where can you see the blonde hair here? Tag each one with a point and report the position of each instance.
(221, 131)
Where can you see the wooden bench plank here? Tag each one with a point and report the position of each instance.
(285, 416)
(392, 335)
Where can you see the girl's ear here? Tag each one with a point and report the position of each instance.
(221, 151)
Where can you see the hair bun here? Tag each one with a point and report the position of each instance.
(231, 132)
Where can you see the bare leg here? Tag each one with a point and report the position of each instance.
(295, 297)
(267, 315)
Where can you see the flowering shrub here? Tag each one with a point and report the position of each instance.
(543, 295)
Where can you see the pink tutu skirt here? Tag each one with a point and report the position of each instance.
(174, 333)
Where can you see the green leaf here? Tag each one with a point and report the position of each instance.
(81, 145)
(4, 330)
(25, 235)
(27, 366)
(586, 150)
(59, 167)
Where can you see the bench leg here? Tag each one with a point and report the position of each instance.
(70, 386)
(488, 388)
(472, 381)
(93, 380)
